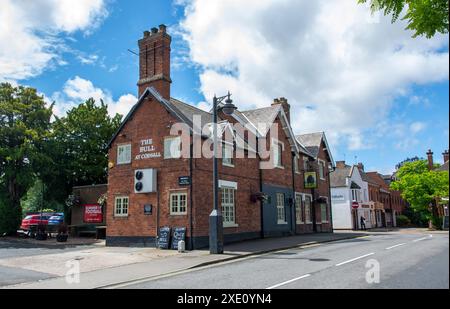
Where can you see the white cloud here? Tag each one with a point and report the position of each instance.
(29, 33)
(417, 127)
(340, 68)
(78, 90)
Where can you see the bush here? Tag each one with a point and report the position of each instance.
(403, 221)
(10, 218)
(437, 222)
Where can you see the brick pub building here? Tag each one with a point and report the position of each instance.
(255, 202)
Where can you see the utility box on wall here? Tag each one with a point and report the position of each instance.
(145, 181)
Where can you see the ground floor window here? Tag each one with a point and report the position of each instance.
(228, 206)
(298, 208)
(178, 203)
(281, 213)
(324, 212)
(308, 210)
(121, 206)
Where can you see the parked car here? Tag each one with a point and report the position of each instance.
(33, 220)
(56, 220)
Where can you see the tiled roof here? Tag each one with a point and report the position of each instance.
(262, 118)
(312, 142)
(443, 167)
(339, 176)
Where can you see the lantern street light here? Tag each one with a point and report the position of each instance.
(215, 218)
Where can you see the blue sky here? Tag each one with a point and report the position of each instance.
(380, 95)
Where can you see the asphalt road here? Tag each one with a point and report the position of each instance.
(403, 260)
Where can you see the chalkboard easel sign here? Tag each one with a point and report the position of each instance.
(179, 233)
(164, 238)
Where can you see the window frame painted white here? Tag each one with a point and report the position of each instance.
(277, 159)
(281, 197)
(178, 195)
(225, 206)
(168, 155)
(121, 214)
(296, 165)
(227, 161)
(308, 219)
(306, 163)
(326, 210)
(124, 157)
(299, 210)
(322, 167)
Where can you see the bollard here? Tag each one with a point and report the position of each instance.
(181, 246)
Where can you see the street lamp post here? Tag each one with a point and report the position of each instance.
(215, 218)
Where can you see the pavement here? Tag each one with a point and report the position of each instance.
(257, 261)
(101, 266)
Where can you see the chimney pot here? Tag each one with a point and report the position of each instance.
(446, 156)
(146, 34)
(162, 28)
(154, 30)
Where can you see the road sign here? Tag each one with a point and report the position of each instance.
(355, 205)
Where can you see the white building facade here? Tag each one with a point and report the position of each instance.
(350, 198)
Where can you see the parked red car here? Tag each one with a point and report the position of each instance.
(34, 220)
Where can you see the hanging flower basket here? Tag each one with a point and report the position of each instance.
(102, 199)
(259, 196)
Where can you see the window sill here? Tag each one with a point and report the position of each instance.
(120, 216)
(228, 165)
(282, 223)
(178, 214)
(230, 225)
(279, 167)
(120, 164)
(300, 223)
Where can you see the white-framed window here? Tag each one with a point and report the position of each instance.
(227, 155)
(356, 195)
(324, 212)
(298, 208)
(277, 150)
(305, 164)
(228, 207)
(322, 169)
(281, 211)
(121, 206)
(178, 203)
(124, 154)
(308, 208)
(172, 147)
(296, 167)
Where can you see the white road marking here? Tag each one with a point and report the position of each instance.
(399, 245)
(287, 282)
(355, 259)
(420, 239)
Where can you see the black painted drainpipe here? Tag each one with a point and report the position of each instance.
(261, 203)
(191, 200)
(294, 219)
(329, 201)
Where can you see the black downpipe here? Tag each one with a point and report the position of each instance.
(329, 201)
(261, 203)
(294, 212)
(191, 199)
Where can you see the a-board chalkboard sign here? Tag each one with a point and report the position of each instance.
(179, 233)
(164, 238)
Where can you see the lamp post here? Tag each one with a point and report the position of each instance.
(215, 218)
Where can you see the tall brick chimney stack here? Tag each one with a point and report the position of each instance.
(154, 61)
(361, 166)
(430, 160)
(446, 156)
(286, 107)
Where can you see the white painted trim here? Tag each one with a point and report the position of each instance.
(131, 152)
(115, 207)
(230, 225)
(228, 184)
(324, 168)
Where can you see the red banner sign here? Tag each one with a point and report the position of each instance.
(93, 214)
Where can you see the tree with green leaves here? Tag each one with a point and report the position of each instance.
(24, 129)
(421, 188)
(424, 17)
(79, 148)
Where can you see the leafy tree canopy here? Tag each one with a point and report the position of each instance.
(420, 186)
(424, 17)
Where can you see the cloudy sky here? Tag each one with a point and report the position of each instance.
(380, 95)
